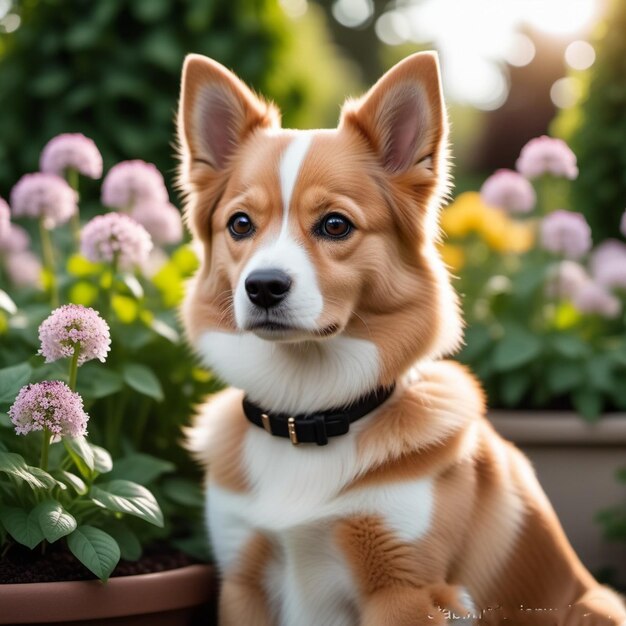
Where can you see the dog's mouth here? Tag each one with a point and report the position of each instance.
(276, 331)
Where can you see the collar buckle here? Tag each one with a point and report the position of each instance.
(293, 435)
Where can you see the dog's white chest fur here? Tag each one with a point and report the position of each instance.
(294, 501)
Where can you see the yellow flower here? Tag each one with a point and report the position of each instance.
(469, 214)
(464, 215)
(453, 256)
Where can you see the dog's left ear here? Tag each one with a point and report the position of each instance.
(403, 115)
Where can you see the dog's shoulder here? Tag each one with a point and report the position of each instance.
(434, 420)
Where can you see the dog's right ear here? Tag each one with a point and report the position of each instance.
(216, 113)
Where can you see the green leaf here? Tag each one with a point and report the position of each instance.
(140, 468)
(600, 372)
(22, 526)
(477, 340)
(12, 379)
(47, 479)
(569, 346)
(55, 522)
(97, 382)
(123, 496)
(130, 546)
(75, 482)
(95, 549)
(5, 421)
(564, 376)
(516, 348)
(15, 465)
(513, 386)
(184, 492)
(103, 462)
(81, 452)
(142, 379)
(6, 303)
(164, 330)
(588, 402)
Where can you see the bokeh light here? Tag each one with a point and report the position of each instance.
(352, 13)
(580, 55)
(521, 51)
(478, 38)
(565, 92)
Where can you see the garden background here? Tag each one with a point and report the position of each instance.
(513, 70)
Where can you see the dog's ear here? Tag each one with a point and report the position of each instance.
(403, 115)
(216, 113)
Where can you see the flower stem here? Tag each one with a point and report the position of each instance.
(44, 450)
(48, 260)
(73, 180)
(74, 366)
(108, 305)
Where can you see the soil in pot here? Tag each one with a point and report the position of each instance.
(21, 565)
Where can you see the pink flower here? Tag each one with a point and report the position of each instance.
(546, 155)
(115, 236)
(5, 216)
(565, 279)
(44, 196)
(162, 221)
(16, 240)
(566, 233)
(592, 298)
(71, 151)
(509, 190)
(70, 326)
(23, 269)
(608, 264)
(131, 182)
(52, 405)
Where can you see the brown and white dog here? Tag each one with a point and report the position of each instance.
(319, 282)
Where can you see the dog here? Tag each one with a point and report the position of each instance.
(352, 477)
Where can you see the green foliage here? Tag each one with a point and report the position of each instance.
(598, 137)
(95, 549)
(111, 70)
(525, 339)
(107, 496)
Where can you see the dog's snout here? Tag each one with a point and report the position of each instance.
(267, 288)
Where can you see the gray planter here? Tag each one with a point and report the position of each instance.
(576, 463)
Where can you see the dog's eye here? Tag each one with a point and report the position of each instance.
(334, 226)
(240, 226)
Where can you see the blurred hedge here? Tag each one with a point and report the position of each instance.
(111, 69)
(600, 130)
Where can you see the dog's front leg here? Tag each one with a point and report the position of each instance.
(243, 599)
(399, 583)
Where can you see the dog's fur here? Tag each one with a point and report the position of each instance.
(421, 514)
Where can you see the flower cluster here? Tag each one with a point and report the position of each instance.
(50, 405)
(547, 155)
(566, 233)
(5, 223)
(44, 196)
(509, 190)
(162, 221)
(115, 237)
(71, 151)
(132, 182)
(73, 327)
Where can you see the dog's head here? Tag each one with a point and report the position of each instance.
(317, 242)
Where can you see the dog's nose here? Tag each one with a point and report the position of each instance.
(266, 288)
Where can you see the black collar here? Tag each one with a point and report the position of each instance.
(315, 427)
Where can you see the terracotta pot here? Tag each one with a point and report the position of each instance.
(576, 463)
(178, 597)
